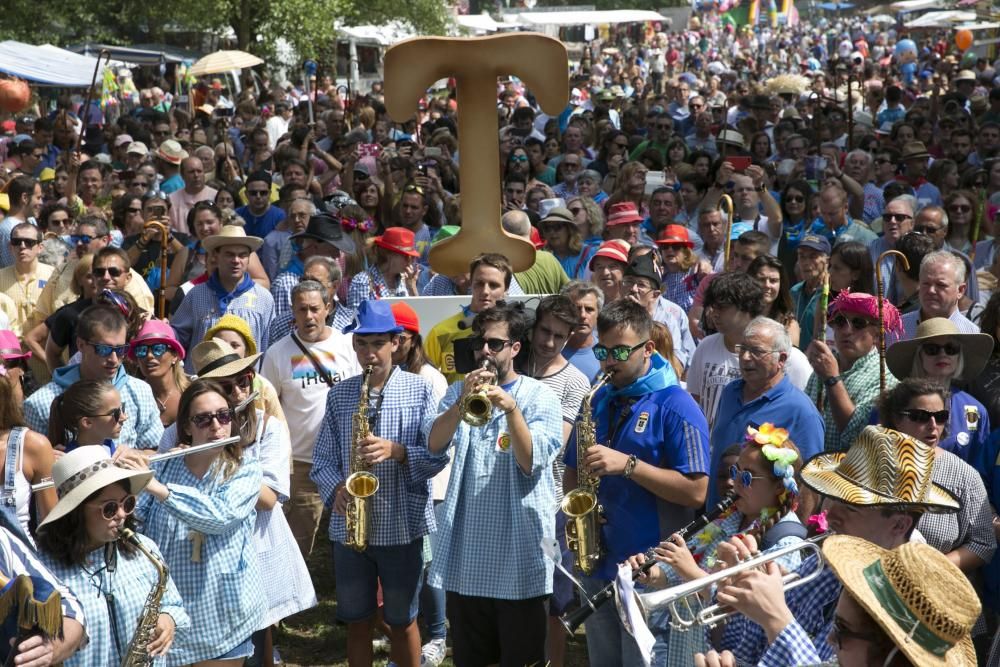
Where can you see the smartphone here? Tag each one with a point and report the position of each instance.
(739, 162)
(369, 150)
(432, 151)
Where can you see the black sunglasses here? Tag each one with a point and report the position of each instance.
(113, 271)
(494, 344)
(924, 416)
(24, 243)
(934, 349)
(116, 414)
(243, 382)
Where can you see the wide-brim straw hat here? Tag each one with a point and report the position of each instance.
(882, 467)
(232, 235)
(923, 602)
(216, 359)
(85, 471)
(976, 348)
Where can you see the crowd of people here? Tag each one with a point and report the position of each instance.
(717, 214)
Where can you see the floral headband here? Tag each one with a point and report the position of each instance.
(772, 447)
(363, 226)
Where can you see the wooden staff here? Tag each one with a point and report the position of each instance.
(976, 225)
(161, 299)
(850, 113)
(85, 115)
(730, 214)
(820, 333)
(881, 314)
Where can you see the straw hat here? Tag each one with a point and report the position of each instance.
(914, 150)
(882, 467)
(232, 235)
(84, 471)
(216, 359)
(976, 348)
(920, 599)
(170, 151)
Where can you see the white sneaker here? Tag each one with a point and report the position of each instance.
(433, 653)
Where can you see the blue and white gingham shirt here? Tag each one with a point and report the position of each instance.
(442, 285)
(495, 516)
(370, 284)
(282, 325)
(401, 509)
(223, 593)
(791, 648)
(126, 589)
(199, 311)
(281, 292)
(17, 558)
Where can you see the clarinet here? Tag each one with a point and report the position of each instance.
(575, 619)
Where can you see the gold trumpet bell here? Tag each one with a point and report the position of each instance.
(583, 528)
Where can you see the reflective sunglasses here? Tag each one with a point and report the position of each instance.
(116, 414)
(745, 477)
(105, 350)
(934, 349)
(110, 509)
(618, 352)
(204, 419)
(924, 416)
(494, 344)
(857, 323)
(156, 349)
(23, 243)
(243, 382)
(519, 158)
(113, 271)
(77, 239)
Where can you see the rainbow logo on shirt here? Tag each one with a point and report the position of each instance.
(302, 367)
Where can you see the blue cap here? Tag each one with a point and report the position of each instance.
(815, 242)
(373, 317)
(738, 229)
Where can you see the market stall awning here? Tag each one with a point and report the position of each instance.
(590, 17)
(46, 65)
(129, 55)
(914, 5)
(481, 22)
(945, 19)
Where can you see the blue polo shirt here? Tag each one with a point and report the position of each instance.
(664, 428)
(583, 358)
(783, 405)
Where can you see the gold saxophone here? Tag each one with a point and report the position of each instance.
(583, 527)
(361, 484)
(476, 407)
(136, 654)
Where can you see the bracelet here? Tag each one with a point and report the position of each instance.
(630, 466)
(507, 412)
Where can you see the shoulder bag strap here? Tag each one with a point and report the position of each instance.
(325, 374)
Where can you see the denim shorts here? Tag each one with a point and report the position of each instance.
(398, 568)
(242, 650)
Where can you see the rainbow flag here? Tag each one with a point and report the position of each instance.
(744, 13)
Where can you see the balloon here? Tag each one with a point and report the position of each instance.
(963, 39)
(906, 49)
(14, 95)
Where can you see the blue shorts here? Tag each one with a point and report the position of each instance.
(242, 650)
(398, 568)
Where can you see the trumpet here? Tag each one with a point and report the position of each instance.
(476, 407)
(683, 599)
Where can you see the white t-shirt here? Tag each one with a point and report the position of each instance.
(301, 388)
(712, 368)
(797, 368)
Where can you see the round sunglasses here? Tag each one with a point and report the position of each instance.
(110, 508)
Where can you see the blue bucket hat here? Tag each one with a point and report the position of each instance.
(374, 317)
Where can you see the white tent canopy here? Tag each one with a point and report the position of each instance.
(384, 35)
(914, 5)
(46, 65)
(943, 19)
(481, 22)
(589, 17)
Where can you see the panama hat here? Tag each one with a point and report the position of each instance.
(976, 348)
(922, 601)
(882, 467)
(915, 150)
(216, 359)
(85, 471)
(232, 235)
(170, 151)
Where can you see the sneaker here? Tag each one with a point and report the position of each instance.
(433, 653)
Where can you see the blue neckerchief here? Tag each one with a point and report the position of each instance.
(466, 311)
(295, 266)
(224, 297)
(659, 376)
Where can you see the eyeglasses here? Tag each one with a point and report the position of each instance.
(110, 509)
(157, 211)
(745, 477)
(258, 193)
(204, 419)
(795, 199)
(928, 230)
(754, 352)
(897, 217)
(113, 271)
(24, 243)
(857, 323)
(116, 414)
(934, 349)
(959, 208)
(519, 158)
(630, 283)
(494, 344)
(924, 416)
(156, 349)
(105, 350)
(243, 382)
(77, 239)
(618, 352)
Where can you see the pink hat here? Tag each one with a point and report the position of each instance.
(10, 346)
(398, 240)
(615, 249)
(623, 213)
(156, 331)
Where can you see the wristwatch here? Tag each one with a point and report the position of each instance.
(830, 381)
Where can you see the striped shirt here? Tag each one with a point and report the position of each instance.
(16, 558)
(912, 319)
(972, 526)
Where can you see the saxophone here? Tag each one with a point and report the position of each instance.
(361, 484)
(583, 528)
(136, 654)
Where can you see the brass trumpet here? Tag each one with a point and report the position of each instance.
(476, 407)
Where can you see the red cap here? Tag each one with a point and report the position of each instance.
(406, 317)
(398, 240)
(675, 235)
(623, 213)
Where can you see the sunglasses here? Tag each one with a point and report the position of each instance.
(110, 509)
(243, 382)
(258, 193)
(924, 229)
(745, 477)
(494, 344)
(795, 199)
(857, 323)
(77, 239)
(412, 187)
(897, 217)
(116, 414)
(959, 209)
(204, 419)
(924, 416)
(934, 349)
(157, 211)
(519, 158)
(113, 271)
(618, 352)
(156, 349)
(24, 243)
(105, 350)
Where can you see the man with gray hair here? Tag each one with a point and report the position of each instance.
(589, 301)
(897, 222)
(942, 285)
(763, 393)
(546, 275)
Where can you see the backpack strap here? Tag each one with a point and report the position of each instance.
(780, 531)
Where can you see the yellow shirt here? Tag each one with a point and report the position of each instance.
(24, 291)
(440, 348)
(59, 291)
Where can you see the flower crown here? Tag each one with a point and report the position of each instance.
(771, 440)
(363, 226)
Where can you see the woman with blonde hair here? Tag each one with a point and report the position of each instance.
(158, 355)
(664, 343)
(630, 186)
(681, 274)
(562, 238)
(589, 219)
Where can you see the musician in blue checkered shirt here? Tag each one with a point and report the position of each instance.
(500, 504)
(401, 510)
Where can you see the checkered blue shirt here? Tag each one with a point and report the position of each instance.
(494, 516)
(442, 285)
(199, 311)
(401, 509)
(281, 292)
(126, 589)
(370, 284)
(283, 325)
(791, 648)
(142, 429)
(224, 592)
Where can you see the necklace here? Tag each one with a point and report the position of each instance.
(162, 404)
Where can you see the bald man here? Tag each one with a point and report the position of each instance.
(547, 275)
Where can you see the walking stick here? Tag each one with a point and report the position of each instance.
(730, 214)
(85, 115)
(161, 300)
(881, 315)
(820, 334)
(977, 225)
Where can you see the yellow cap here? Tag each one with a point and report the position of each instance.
(4, 201)
(48, 174)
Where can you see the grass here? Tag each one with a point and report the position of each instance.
(314, 639)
